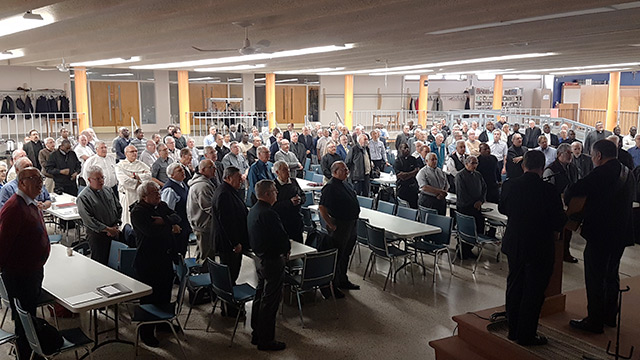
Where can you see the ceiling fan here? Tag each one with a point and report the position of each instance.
(62, 67)
(246, 48)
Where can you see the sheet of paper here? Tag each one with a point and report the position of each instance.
(110, 290)
(82, 298)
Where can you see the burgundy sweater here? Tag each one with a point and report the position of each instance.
(24, 243)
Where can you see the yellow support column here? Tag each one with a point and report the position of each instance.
(423, 97)
(348, 101)
(270, 90)
(82, 99)
(613, 100)
(183, 101)
(498, 91)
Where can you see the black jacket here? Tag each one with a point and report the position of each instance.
(584, 165)
(8, 107)
(229, 220)
(59, 161)
(530, 228)
(299, 150)
(33, 150)
(154, 242)
(514, 169)
(625, 158)
(267, 236)
(326, 162)
(307, 141)
(252, 155)
(355, 162)
(531, 137)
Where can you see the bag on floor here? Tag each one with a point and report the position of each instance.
(203, 297)
(319, 240)
(50, 339)
(386, 194)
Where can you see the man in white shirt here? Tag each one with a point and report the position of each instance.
(210, 139)
(174, 154)
(130, 173)
(629, 141)
(499, 149)
(548, 151)
(106, 162)
(82, 150)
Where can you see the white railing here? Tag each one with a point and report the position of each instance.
(201, 121)
(15, 127)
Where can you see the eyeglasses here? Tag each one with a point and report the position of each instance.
(35, 177)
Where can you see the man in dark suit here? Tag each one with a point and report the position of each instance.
(528, 242)
(531, 135)
(270, 243)
(402, 138)
(608, 228)
(598, 134)
(287, 133)
(583, 162)
(307, 140)
(230, 223)
(553, 138)
(515, 154)
(33, 147)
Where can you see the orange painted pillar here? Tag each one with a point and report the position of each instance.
(270, 90)
(498, 91)
(348, 101)
(82, 99)
(423, 97)
(613, 101)
(183, 101)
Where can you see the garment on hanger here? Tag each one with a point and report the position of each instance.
(53, 107)
(8, 107)
(411, 104)
(28, 108)
(437, 103)
(64, 105)
(42, 106)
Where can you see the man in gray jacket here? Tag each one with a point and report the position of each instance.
(199, 208)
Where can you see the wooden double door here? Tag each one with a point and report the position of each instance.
(113, 104)
(291, 104)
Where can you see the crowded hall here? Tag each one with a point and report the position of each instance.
(296, 181)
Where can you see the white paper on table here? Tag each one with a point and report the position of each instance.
(83, 298)
(110, 290)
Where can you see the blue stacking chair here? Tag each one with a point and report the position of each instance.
(386, 207)
(308, 175)
(45, 299)
(318, 178)
(407, 213)
(307, 164)
(316, 168)
(424, 211)
(361, 238)
(467, 233)
(6, 337)
(55, 238)
(435, 244)
(125, 261)
(114, 254)
(234, 295)
(365, 202)
(381, 249)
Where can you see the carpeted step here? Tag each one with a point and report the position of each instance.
(454, 348)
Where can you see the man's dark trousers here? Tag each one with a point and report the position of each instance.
(268, 296)
(344, 239)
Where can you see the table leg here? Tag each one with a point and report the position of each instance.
(117, 339)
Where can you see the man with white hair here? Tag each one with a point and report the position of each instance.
(100, 210)
(210, 140)
(438, 148)
(43, 200)
(499, 150)
(582, 161)
(172, 152)
(105, 161)
(288, 157)
(236, 159)
(359, 163)
(457, 136)
(200, 209)
(43, 157)
(472, 144)
(149, 155)
(130, 173)
(403, 137)
(433, 185)
(15, 155)
(175, 193)
(455, 162)
(531, 135)
(91, 143)
(82, 150)
(252, 153)
(121, 142)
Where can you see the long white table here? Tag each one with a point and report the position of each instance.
(385, 179)
(491, 212)
(299, 250)
(305, 185)
(63, 207)
(395, 226)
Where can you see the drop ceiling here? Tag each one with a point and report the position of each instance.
(383, 31)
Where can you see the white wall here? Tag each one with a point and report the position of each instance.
(12, 77)
(163, 103)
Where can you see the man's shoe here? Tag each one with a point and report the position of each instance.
(586, 325)
(570, 259)
(534, 341)
(349, 286)
(272, 346)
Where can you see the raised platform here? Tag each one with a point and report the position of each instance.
(474, 341)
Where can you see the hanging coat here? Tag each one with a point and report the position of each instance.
(53, 107)
(28, 108)
(42, 106)
(8, 107)
(64, 106)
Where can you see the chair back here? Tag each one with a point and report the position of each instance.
(221, 280)
(407, 213)
(386, 207)
(467, 228)
(306, 218)
(361, 231)
(377, 240)
(365, 202)
(445, 223)
(308, 199)
(125, 261)
(423, 211)
(308, 175)
(183, 275)
(4, 295)
(316, 168)
(307, 163)
(403, 203)
(319, 268)
(318, 178)
(113, 253)
(29, 329)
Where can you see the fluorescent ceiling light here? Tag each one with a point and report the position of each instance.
(286, 80)
(11, 54)
(400, 72)
(309, 71)
(234, 79)
(230, 68)
(412, 77)
(522, 77)
(260, 79)
(424, 67)
(617, 7)
(116, 75)
(18, 23)
(592, 71)
(243, 58)
(105, 62)
(578, 68)
(201, 78)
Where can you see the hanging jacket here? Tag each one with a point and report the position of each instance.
(28, 108)
(53, 107)
(64, 105)
(8, 107)
(42, 106)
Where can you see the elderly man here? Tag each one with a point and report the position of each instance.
(154, 224)
(270, 243)
(453, 141)
(634, 151)
(130, 173)
(471, 191)
(289, 201)
(288, 157)
(629, 140)
(455, 163)
(328, 159)
(623, 156)
(360, 165)
(598, 134)
(582, 161)
(91, 139)
(209, 152)
(33, 147)
(200, 209)
(307, 140)
(122, 141)
(172, 151)
(210, 140)
(260, 170)
(515, 154)
(43, 157)
(221, 149)
(186, 158)
(139, 141)
(531, 135)
(24, 249)
(231, 235)
(499, 150)
(403, 137)
(159, 167)
(252, 153)
(529, 243)
(275, 146)
(65, 167)
(43, 200)
(340, 210)
(15, 155)
(439, 149)
(406, 168)
(433, 185)
(472, 144)
(149, 155)
(82, 149)
(548, 151)
(562, 173)
(321, 143)
(175, 193)
(106, 162)
(608, 228)
(487, 166)
(100, 210)
(236, 159)
(377, 150)
(296, 147)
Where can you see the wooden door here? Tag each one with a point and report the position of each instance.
(197, 97)
(128, 103)
(113, 104)
(298, 104)
(218, 91)
(282, 106)
(101, 111)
